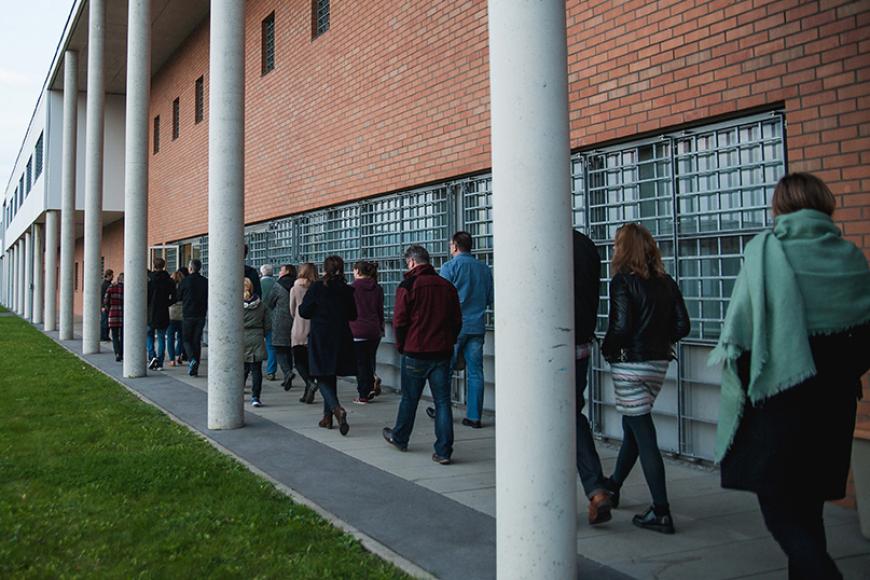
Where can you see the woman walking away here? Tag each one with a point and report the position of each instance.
(256, 326)
(278, 302)
(795, 343)
(174, 336)
(647, 317)
(301, 328)
(368, 328)
(329, 305)
(113, 301)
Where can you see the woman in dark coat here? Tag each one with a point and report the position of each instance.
(329, 304)
(795, 343)
(278, 302)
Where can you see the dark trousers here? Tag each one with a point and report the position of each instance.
(284, 358)
(117, 340)
(300, 358)
(415, 373)
(255, 369)
(329, 391)
(639, 439)
(366, 361)
(104, 325)
(798, 527)
(588, 462)
(192, 329)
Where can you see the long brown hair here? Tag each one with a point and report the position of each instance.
(636, 252)
(333, 268)
(307, 272)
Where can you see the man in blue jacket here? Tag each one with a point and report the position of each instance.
(473, 280)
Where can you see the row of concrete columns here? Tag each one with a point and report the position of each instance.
(535, 443)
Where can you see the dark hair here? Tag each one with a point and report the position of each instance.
(108, 273)
(246, 250)
(797, 191)
(184, 270)
(196, 265)
(417, 253)
(290, 269)
(159, 263)
(635, 252)
(462, 241)
(333, 268)
(368, 269)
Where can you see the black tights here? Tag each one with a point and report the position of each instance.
(639, 439)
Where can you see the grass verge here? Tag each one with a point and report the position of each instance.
(93, 482)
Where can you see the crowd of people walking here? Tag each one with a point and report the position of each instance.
(794, 345)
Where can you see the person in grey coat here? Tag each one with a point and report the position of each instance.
(278, 303)
(257, 324)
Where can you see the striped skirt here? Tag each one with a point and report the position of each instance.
(637, 384)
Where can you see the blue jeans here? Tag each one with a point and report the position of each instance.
(271, 360)
(588, 463)
(471, 346)
(174, 340)
(161, 344)
(415, 373)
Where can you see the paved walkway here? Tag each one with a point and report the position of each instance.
(441, 518)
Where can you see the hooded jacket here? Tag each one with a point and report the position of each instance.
(369, 297)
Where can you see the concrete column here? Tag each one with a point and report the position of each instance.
(94, 125)
(68, 193)
(536, 477)
(28, 275)
(16, 295)
(50, 300)
(136, 187)
(226, 203)
(22, 255)
(38, 274)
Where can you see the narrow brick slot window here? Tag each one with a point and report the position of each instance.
(176, 118)
(157, 134)
(319, 17)
(268, 44)
(199, 101)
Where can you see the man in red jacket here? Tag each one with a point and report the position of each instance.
(427, 319)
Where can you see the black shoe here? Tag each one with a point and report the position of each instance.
(472, 424)
(388, 437)
(288, 382)
(440, 460)
(153, 364)
(118, 358)
(611, 486)
(308, 395)
(650, 521)
(431, 412)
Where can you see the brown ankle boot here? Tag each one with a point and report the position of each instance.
(341, 417)
(326, 422)
(599, 508)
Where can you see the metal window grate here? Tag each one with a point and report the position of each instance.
(267, 41)
(176, 118)
(199, 100)
(40, 151)
(29, 174)
(320, 17)
(156, 134)
(203, 254)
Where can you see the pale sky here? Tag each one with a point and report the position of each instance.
(29, 34)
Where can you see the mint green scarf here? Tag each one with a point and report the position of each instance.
(799, 280)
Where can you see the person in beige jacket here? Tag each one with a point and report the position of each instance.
(301, 327)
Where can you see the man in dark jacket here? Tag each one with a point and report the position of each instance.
(278, 303)
(108, 276)
(587, 272)
(427, 320)
(193, 293)
(161, 294)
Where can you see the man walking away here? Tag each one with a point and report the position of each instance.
(161, 294)
(253, 275)
(104, 311)
(267, 281)
(278, 302)
(193, 292)
(473, 280)
(587, 272)
(427, 320)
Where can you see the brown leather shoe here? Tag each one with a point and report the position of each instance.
(341, 417)
(599, 508)
(326, 422)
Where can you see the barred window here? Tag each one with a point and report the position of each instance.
(319, 17)
(22, 193)
(40, 151)
(199, 100)
(29, 173)
(176, 118)
(267, 41)
(156, 135)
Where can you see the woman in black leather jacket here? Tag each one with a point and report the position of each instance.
(647, 316)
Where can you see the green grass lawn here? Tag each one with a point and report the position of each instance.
(95, 483)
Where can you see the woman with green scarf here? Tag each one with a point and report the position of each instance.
(794, 345)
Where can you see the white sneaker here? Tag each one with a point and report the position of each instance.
(153, 364)
(256, 403)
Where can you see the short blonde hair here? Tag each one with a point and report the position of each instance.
(249, 289)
